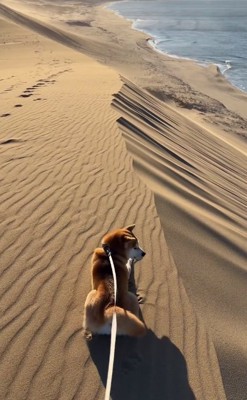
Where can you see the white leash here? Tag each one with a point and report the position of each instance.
(113, 328)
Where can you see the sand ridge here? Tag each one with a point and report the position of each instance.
(198, 178)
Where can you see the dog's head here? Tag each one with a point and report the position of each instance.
(123, 241)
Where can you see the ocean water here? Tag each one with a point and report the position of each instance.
(208, 31)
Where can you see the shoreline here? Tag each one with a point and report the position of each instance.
(187, 85)
(204, 64)
(223, 68)
(205, 82)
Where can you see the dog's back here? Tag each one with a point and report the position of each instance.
(99, 305)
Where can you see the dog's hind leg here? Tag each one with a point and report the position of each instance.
(127, 323)
(131, 304)
(88, 314)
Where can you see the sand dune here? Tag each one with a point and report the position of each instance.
(199, 181)
(67, 178)
(110, 38)
(51, 32)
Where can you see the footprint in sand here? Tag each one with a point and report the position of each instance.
(18, 105)
(41, 82)
(26, 95)
(9, 89)
(10, 141)
(5, 115)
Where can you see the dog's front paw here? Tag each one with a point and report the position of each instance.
(140, 298)
(87, 334)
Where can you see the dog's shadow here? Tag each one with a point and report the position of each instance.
(148, 368)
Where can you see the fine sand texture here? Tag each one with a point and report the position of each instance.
(199, 181)
(67, 178)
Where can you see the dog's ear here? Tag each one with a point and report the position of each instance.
(129, 238)
(130, 227)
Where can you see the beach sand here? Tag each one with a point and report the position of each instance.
(97, 131)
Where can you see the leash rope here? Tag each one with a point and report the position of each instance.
(113, 327)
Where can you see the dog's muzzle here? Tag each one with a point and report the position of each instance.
(136, 254)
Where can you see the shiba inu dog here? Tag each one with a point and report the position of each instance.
(99, 306)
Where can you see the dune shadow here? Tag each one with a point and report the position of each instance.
(149, 368)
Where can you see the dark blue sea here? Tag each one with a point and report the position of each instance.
(208, 31)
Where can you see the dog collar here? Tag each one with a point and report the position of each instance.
(107, 249)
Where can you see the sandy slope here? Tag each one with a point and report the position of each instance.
(199, 181)
(66, 179)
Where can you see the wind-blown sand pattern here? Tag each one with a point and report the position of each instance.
(67, 178)
(199, 181)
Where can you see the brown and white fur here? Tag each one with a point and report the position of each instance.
(99, 305)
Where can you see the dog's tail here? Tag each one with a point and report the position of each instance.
(127, 322)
